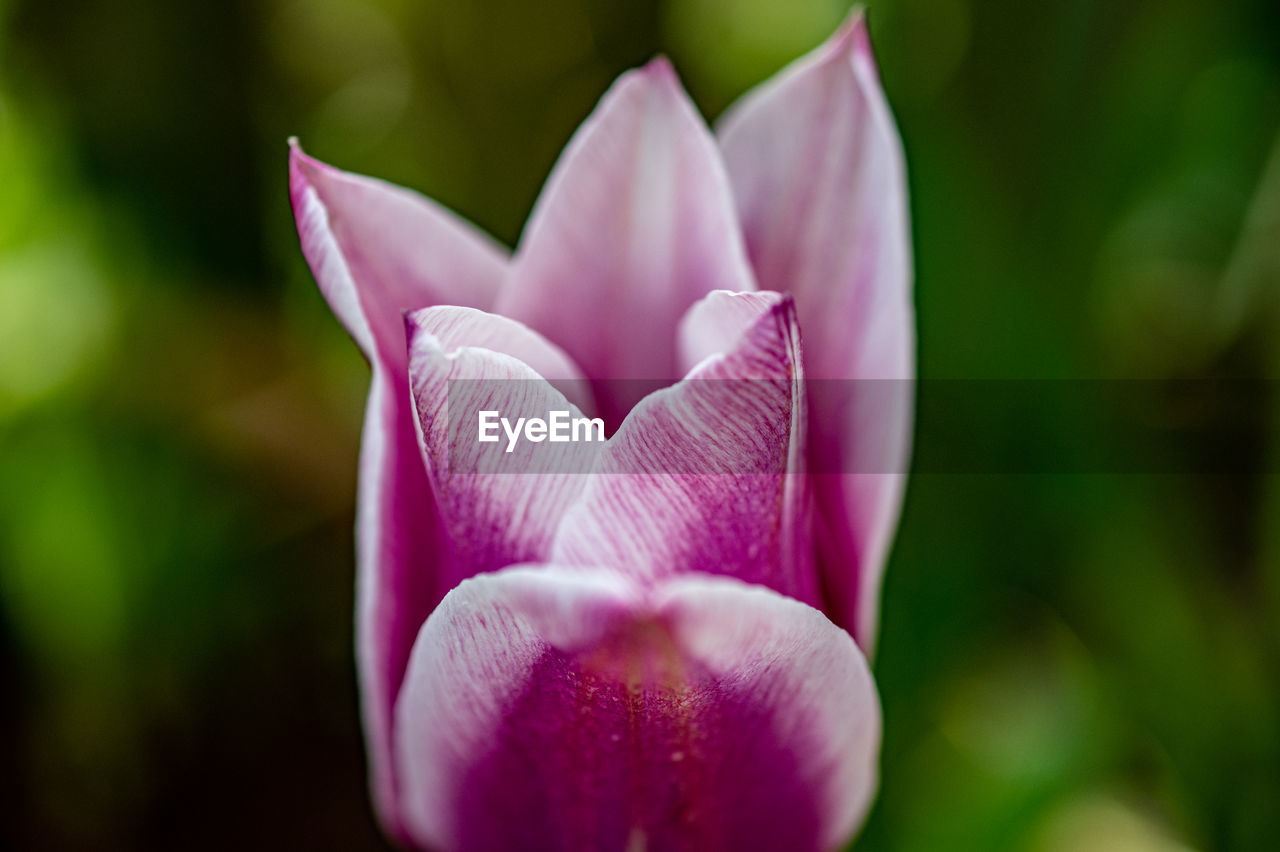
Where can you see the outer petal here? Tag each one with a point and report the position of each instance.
(817, 171)
(708, 475)
(547, 709)
(496, 507)
(376, 250)
(635, 224)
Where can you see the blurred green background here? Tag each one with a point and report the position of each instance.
(1066, 661)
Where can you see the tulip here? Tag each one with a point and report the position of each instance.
(666, 651)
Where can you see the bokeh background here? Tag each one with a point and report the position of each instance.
(1069, 659)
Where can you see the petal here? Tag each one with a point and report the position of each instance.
(397, 555)
(375, 250)
(497, 507)
(717, 322)
(552, 709)
(707, 475)
(817, 171)
(456, 328)
(378, 250)
(635, 224)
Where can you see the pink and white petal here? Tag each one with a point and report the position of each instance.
(499, 503)
(548, 708)
(375, 250)
(777, 652)
(398, 559)
(708, 475)
(456, 328)
(378, 250)
(716, 323)
(634, 225)
(818, 176)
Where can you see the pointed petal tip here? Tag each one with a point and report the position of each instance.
(856, 20)
(305, 171)
(639, 210)
(853, 38)
(303, 166)
(855, 46)
(296, 159)
(825, 121)
(660, 70)
(296, 154)
(717, 323)
(659, 80)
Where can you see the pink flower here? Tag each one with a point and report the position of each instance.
(643, 656)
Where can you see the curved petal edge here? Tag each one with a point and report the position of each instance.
(819, 180)
(375, 250)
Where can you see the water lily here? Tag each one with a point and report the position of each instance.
(662, 652)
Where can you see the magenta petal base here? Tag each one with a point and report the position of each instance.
(553, 708)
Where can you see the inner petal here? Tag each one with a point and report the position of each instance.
(631, 746)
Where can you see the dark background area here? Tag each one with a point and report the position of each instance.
(1068, 660)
